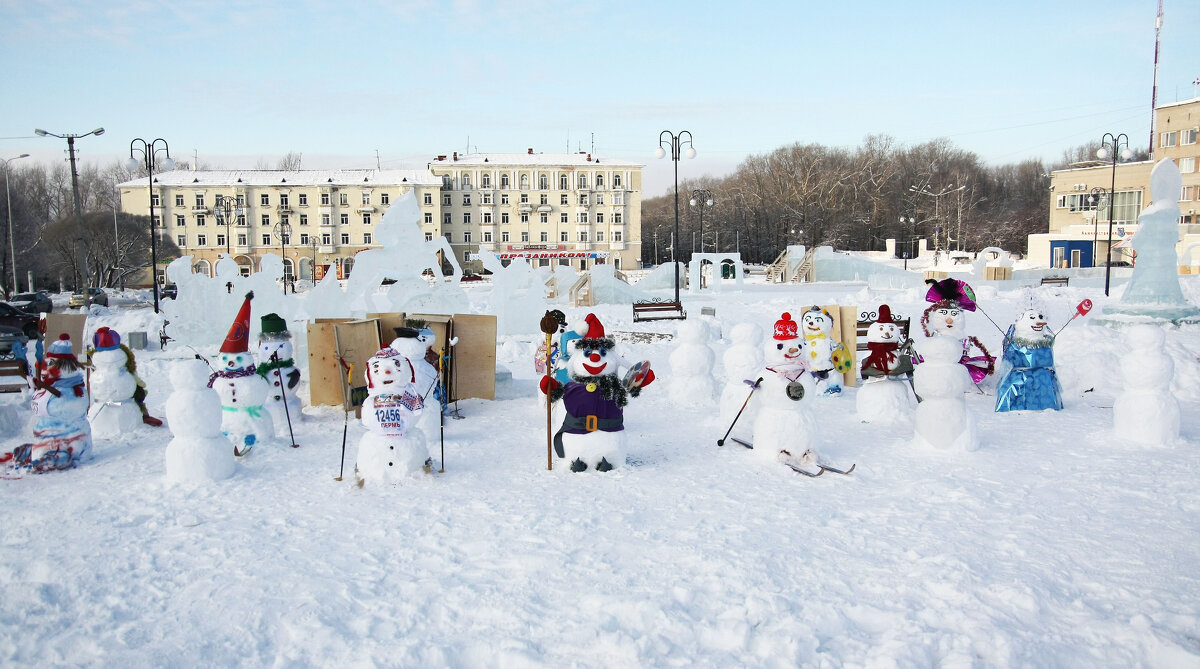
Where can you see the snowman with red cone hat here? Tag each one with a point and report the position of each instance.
(592, 432)
(243, 393)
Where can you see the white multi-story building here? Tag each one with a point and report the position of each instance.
(553, 208)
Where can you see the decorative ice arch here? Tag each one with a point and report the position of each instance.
(697, 265)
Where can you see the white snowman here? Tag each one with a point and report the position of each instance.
(946, 316)
(742, 362)
(691, 382)
(198, 452)
(114, 412)
(274, 363)
(414, 343)
(591, 435)
(783, 428)
(1146, 412)
(942, 421)
(393, 448)
(244, 419)
(826, 357)
(884, 396)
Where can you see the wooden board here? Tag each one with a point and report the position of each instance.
(475, 356)
(388, 322)
(443, 329)
(356, 342)
(71, 324)
(848, 317)
(326, 377)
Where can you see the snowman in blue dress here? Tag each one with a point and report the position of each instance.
(1027, 377)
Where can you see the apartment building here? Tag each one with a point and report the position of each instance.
(575, 209)
(1079, 203)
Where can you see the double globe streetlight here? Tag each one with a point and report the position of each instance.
(149, 150)
(12, 249)
(1110, 148)
(675, 143)
(71, 137)
(227, 208)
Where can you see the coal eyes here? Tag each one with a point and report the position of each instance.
(779, 346)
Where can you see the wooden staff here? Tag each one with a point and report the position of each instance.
(549, 325)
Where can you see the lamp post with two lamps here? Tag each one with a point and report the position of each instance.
(282, 232)
(675, 142)
(226, 209)
(1110, 147)
(71, 137)
(703, 198)
(149, 150)
(12, 249)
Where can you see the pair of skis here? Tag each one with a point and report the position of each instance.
(721, 442)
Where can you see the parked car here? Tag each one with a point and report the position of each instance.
(32, 303)
(93, 296)
(169, 291)
(13, 317)
(8, 337)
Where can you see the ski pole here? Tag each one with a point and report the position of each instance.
(442, 415)
(283, 396)
(753, 387)
(345, 415)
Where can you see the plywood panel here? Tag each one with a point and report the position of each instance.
(475, 356)
(388, 322)
(71, 324)
(357, 341)
(849, 328)
(329, 338)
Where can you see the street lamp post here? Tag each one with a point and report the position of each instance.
(1110, 147)
(675, 142)
(282, 232)
(149, 150)
(71, 137)
(1094, 199)
(702, 197)
(12, 249)
(225, 210)
(937, 227)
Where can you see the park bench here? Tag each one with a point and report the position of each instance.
(1055, 280)
(865, 319)
(656, 310)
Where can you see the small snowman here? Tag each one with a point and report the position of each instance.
(275, 365)
(1146, 412)
(244, 419)
(1028, 380)
(827, 357)
(62, 435)
(742, 361)
(946, 317)
(114, 412)
(198, 452)
(884, 396)
(942, 420)
(393, 448)
(691, 383)
(592, 431)
(783, 428)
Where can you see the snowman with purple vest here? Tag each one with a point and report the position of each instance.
(592, 432)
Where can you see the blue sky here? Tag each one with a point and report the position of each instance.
(242, 81)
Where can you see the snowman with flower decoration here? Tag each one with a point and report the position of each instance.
(393, 448)
(592, 432)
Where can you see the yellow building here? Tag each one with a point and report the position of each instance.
(563, 208)
(1079, 204)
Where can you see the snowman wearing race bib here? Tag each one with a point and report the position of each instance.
(393, 447)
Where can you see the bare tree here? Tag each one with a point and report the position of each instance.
(290, 161)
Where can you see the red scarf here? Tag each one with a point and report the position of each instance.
(883, 355)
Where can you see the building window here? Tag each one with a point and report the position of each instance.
(544, 199)
(366, 219)
(344, 219)
(1083, 202)
(486, 198)
(524, 217)
(178, 200)
(562, 218)
(366, 238)
(1169, 139)
(385, 199)
(303, 219)
(600, 199)
(283, 218)
(524, 236)
(564, 236)
(583, 217)
(325, 199)
(1187, 137)
(543, 182)
(241, 220)
(582, 181)
(466, 180)
(617, 236)
(445, 199)
(487, 218)
(429, 236)
(467, 237)
(326, 239)
(449, 237)
(524, 181)
(599, 234)
(266, 219)
(599, 218)
(366, 198)
(583, 236)
(429, 199)
(199, 201)
(266, 239)
(180, 220)
(325, 219)
(583, 199)
(345, 238)
(446, 220)
(466, 218)
(504, 218)
(617, 218)
(544, 217)
(1187, 165)
(485, 181)
(220, 240)
(428, 218)
(504, 198)
(619, 198)
(200, 220)
(564, 200)
(524, 198)
(201, 240)
(599, 181)
(283, 201)
(544, 237)
(562, 182)
(616, 181)
(504, 236)
(304, 239)
(264, 200)
(180, 240)
(503, 182)
(466, 199)
(241, 239)
(303, 200)
(1126, 205)
(154, 200)
(487, 235)
(344, 199)
(1189, 194)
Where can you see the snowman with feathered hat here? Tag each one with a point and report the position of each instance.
(244, 418)
(393, 448)
(950, 300)
(62, 435)
(592, 432)
(277, 367)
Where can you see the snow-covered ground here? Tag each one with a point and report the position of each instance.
(1053, 545)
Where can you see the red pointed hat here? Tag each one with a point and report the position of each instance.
(595, 327)
(785, 327)
(238, 339)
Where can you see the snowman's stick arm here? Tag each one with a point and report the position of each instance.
(985, 314)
